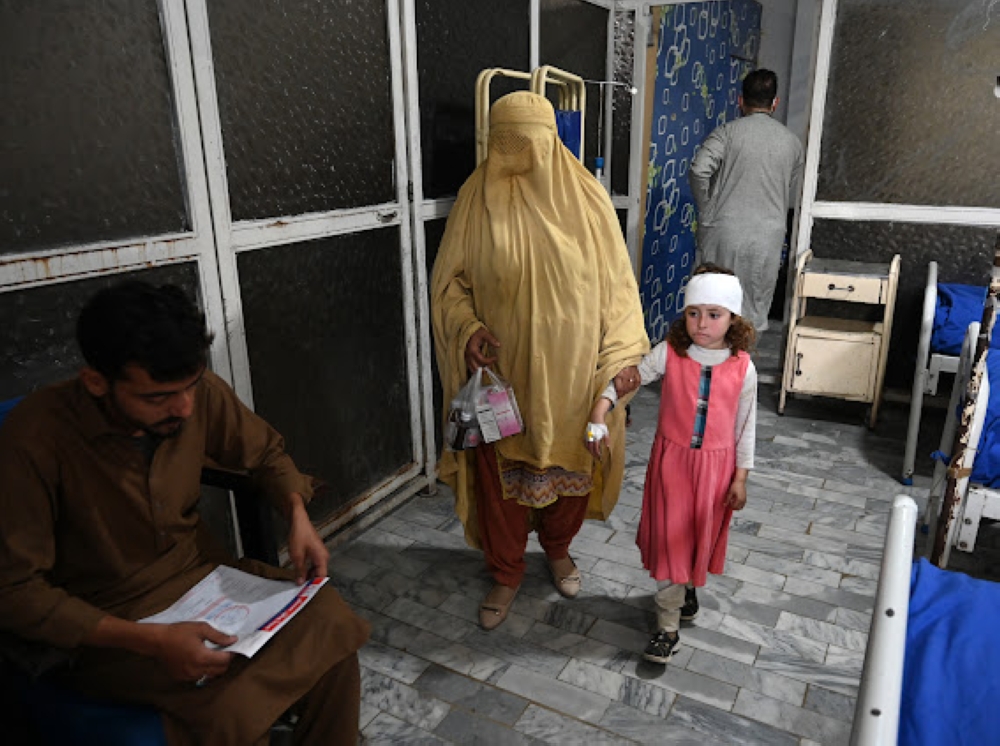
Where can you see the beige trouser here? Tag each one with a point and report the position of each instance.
(669, 599)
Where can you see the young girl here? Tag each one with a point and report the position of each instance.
(703, 449)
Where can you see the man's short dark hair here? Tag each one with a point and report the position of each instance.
(759, 88)
(156, 328)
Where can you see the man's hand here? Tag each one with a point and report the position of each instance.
(627, 381)
(475, 353)
(181, 648)
(307, 551)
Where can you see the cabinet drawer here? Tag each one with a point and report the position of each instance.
(837, 368)
(843, 287)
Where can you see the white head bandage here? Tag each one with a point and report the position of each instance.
(712, 289)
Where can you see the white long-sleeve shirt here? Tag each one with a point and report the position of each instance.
(654, 365)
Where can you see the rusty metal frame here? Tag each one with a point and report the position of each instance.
(963, 451)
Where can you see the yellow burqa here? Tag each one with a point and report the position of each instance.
(533, 251)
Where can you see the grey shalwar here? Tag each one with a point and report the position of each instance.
(743, 178)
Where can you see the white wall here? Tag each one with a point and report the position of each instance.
(777, 41)
(803, 63)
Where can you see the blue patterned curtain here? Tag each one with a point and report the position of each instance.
(705, 50)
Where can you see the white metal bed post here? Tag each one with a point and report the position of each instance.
(920, 373)
(233, 238)
(876, 715)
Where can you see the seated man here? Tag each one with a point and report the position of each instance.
(99, 527)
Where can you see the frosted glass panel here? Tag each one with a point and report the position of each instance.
(456, 39)
(910, 114)
(87, 133)
(306, 105)
(39, 338)
(325, 334)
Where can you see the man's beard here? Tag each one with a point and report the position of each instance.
(174, 426)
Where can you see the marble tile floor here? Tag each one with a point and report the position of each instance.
(773, 658)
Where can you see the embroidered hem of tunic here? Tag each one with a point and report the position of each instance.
(538, 488)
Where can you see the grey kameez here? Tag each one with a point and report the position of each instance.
(744, 178)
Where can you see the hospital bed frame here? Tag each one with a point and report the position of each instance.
(876, 715)
(930, 366)
(571, 91)
(877, 712)
(976, 501)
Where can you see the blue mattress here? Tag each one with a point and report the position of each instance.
(951, 674)
(569, 125)
(986, 469)
(957, 307)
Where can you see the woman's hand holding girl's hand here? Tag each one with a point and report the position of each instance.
(475, 354)
(627, 381)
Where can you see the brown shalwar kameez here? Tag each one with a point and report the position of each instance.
(91, 526)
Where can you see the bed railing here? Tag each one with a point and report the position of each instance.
(876, 716)
(921, 372)
(947, 442)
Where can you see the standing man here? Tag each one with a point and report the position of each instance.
(744, 178)
(99, 527)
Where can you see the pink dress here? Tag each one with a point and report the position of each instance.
(685, 524)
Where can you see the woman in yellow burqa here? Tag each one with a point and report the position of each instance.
(533, 279)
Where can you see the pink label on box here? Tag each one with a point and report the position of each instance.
(507, 420)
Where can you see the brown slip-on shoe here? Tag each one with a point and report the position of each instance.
(566, 579)
(496, 605)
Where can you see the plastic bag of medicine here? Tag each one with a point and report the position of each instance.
(462, 429)
(497, 410)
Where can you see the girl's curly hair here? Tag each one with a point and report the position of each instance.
(741, 334)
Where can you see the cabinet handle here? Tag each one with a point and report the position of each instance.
(798, 364)
(849, 288)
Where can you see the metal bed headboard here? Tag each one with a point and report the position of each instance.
(571, 91)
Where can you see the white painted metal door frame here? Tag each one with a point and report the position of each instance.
(233, 238)
(68, 263)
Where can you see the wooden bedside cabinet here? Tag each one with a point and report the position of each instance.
(837, 357)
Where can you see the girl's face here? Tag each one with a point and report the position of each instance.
(707, 325)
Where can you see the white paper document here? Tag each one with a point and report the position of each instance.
(237, 603)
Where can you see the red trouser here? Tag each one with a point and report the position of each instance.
(504, 524)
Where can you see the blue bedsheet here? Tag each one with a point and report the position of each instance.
(569, 125)
(957, 307)
(951, 676)
(986, 469)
